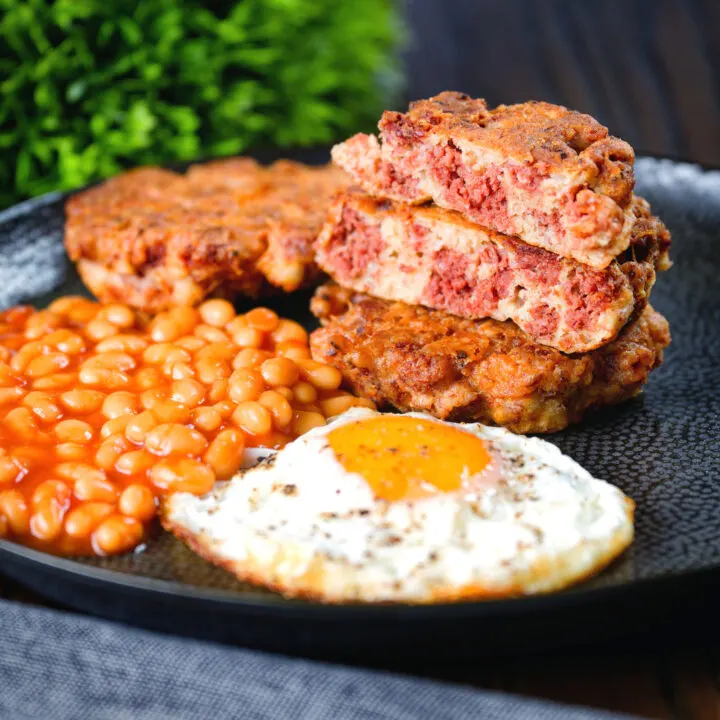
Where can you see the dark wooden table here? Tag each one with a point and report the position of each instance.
(671, 671)
(648, 69)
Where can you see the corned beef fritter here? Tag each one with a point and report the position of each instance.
(435, 257)
(549, 175)
(484, 371)
(155, 239)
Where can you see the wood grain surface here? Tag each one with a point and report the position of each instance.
(649, 69)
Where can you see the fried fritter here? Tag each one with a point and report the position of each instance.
(434, 257)
(154, 239)
(484, 371)
(554, 177)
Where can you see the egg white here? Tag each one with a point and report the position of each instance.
(301, 524)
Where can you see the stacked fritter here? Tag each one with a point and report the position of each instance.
(494, 265)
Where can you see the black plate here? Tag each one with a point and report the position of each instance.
(663, 449)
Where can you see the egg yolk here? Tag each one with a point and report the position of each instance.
(405, 458)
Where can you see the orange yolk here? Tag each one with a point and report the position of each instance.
(405, 458)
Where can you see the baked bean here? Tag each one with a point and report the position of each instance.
(115, 426)
(6, 375)
(69, 451)
(99, 329)
(43, 406)
(252, 417)
(173, 324)
(119, 315)
(132, 344)
(134, 462)
(66, 342)
(176, 355)
(77, 471)
(59, 381)
(208, 370)
(304, 392)
(225, 453)
(46, 522)
(3, 526)
(157, 354)
(152, 397)
(190, 343)
(289, 331)
(138, 501)
(107, 454)
(169, 411)
(92, 489)
(11, 470)
(323, 377)
(117, 534)
(218, 390)
(82, 520)
(31, 456)
(216, 351)
(163, 329)
(286, 392)
(211, 334)
(15, 510)
(180, 371)
(21, 421)
(262, 318)
(10, 395)
(292, 350)
(206, 419)
(182, 475)
(250, 358)
(101, 377)
(147, 378)
(172, 438)
(63, 305)
(46, 365)
(279, 371)
(295, 352)
(50, 489)
(188, 392)
(304, 421)
(217, 313)
(248, 337)
(120, 403)
(245, 385)
(81, 401)
(225, 408)
(82, 313)
(40, 323)
(139, 426)
(279, 407)
(25, 354)
(74, 431)
(116, 361)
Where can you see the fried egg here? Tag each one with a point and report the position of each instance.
(377, 507)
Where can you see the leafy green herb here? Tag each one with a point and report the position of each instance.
(88, 87)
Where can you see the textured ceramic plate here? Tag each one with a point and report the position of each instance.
(662, 449)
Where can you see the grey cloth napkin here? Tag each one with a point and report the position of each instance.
(56, 665)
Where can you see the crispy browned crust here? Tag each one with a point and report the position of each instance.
(546, 575)
(435, 257)
(528, 132)
(154, 238)
(552, 176)
(477, 370)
